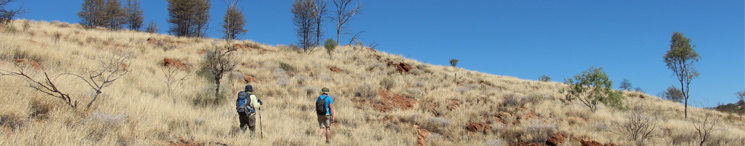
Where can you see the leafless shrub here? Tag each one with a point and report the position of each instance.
(220, 61)
(173, 76)
(705, 127)
(638, 128)
(109, 70)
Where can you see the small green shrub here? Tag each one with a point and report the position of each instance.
(544, 78)
(453, 62)
(592, 87)
(387, 83)
(330, 45)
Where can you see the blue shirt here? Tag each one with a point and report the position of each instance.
(328, 102)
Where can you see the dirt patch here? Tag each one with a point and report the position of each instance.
(390, 101)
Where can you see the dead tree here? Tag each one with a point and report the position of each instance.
(45, 86)
(109, 70)
(220, 61)
(343, 15)
(705, 127)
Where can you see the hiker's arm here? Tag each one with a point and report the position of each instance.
(255, 102)
(331, 110)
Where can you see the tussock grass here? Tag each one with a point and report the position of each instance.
(140, 109)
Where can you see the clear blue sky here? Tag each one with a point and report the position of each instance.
(524, 39)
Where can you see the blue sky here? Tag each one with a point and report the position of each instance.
(524, 39)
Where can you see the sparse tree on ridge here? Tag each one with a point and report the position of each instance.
(92, 13)
(680, 59)
(321, 10)
(188, 17)
(673, 94)
(134, 15)
(305, 13)
(625, 84)
(115, 15)
(544, 78)
(234, 22)
(151, 27)
(453, 62)
(592, 87)
(343, 15)
(330, 45)
(7, 15)
(741, 95)
(220, 61)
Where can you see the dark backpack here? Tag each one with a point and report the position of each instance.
(243, 104)
(321, 105)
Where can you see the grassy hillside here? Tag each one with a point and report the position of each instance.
(425, 105)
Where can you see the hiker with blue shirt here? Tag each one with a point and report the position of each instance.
(325, 112)
(247, 105)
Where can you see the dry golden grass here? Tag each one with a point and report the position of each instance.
(138, 109)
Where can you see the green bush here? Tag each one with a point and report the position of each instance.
(544, 78)
(592, 87)
(453, 62)
(330, 45)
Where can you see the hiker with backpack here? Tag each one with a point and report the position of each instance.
(246, 106)
(325, 112)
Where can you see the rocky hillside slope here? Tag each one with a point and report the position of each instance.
(165, 97)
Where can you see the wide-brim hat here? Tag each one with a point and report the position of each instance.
(249, 88)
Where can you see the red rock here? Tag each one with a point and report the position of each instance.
(555, 139)
(34, 65)
(478, 127)
(590, 143)
(248, 79)
(453, 104)
(334, 69)
(422, 135)
(171, 62)
(124, 66)
(528, 144)
(151, 40)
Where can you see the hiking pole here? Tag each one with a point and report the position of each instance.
(261, 129)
